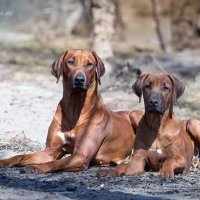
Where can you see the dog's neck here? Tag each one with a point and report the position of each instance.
(76, 105)
(158, 128)
(156, 122)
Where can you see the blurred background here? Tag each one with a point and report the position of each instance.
(114, 28)
(131, 37)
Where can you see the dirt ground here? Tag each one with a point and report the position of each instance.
(28, 102)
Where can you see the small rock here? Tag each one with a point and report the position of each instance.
(71, 188)
(22, 171)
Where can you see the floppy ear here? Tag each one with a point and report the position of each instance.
(178, 89)
(100, 69)
(137, 86)
(57, 66)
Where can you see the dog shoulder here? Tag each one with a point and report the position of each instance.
(135, 117)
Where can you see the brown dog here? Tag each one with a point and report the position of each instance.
(162, 142)
(82, 126)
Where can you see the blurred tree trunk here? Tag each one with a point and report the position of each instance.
(157, 19)
(75, 12)
(87, 12)
(103, 16)
(185, 17)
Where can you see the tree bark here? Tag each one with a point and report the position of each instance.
(103, 16)
(185, 25)
(156, 18)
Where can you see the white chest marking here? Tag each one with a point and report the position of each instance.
(157, 150)
(71, 135)
(62, 137)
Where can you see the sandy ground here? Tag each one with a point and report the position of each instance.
(28, 101)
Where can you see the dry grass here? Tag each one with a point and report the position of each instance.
(19, 143)
(38, 52)
(190, 103)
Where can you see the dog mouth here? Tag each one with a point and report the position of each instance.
(79, 88)
(156, 111)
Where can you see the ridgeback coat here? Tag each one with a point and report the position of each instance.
(82, 125)
(162, 142)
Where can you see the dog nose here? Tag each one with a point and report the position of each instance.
(79, 80)
(153, 102)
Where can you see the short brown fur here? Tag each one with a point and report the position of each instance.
(162, 142)
(95, 135)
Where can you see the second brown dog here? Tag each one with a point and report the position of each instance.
(162, 142)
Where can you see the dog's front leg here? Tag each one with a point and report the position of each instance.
(73, 163)
(171, 165)
(86, 146)
(137, 163)
(134, 167)
(46, 155)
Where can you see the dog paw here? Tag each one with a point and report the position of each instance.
(104, 172)
(166, 173)
(40, 169)
(133, 172)
(118, 171)
(4, 163)
(107, 172)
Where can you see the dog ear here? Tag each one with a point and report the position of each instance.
(57, 66)
(178, 89)
(137, 86)
(100, 69)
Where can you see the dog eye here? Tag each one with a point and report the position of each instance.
(148, 87)
(89, 64)
(165, 89)
(70, 62)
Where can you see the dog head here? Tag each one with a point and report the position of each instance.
(160, 91)
(79, 68)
